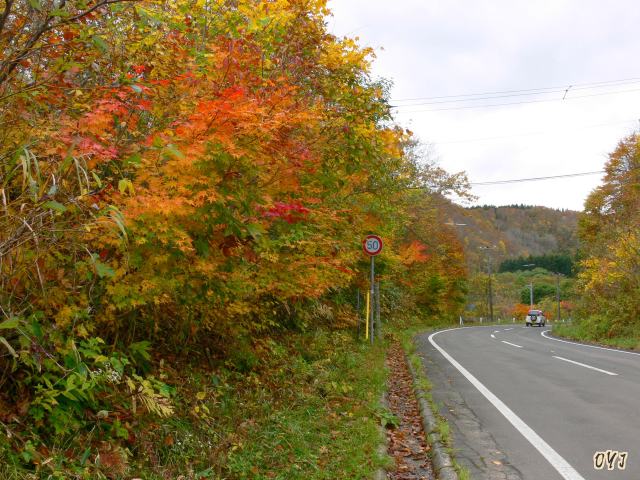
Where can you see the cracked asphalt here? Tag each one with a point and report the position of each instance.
(579, 400)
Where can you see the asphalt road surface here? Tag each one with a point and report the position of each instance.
(522, 405)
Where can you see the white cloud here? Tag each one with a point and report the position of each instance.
(459, 47)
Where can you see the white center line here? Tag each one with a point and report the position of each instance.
(512, 344)
(493, 336)
(554, 458)
(584, 365)
(496, 331)
(507, 329)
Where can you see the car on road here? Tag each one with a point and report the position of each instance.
(535, 317)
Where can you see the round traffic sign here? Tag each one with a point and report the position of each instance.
(372, 245)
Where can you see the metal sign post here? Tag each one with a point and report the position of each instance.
(378, 323)
(372, 295)
(372, 246)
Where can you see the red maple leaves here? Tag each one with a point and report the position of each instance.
(289, 212)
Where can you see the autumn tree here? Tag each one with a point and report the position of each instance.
(610, 275)
(178, 175)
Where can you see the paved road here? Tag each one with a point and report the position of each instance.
(525, 406)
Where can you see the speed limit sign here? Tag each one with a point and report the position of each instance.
(372, 245)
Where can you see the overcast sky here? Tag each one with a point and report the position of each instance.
(439, 48)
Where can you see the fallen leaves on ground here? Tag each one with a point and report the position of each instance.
(406, 442)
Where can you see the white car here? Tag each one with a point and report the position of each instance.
(535, 317)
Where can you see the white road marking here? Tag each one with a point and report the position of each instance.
(507, 329)
(512, 344)
(493, 336)
(559, 463)
(585, 345)
(584, 365)
(496, 331)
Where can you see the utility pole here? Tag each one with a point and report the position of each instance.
(530, 285)
(490, 292)
(488, 260)
(558, 293)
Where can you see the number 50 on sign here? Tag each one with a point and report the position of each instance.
(372, 245)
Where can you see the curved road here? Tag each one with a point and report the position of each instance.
(523, 405)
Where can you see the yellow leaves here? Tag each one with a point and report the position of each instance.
(264, 16)
(271, 257)
(140, 241)
(143, 391)
(126, 186)
(345, 54)
(238, 308)
(203, 198)
(65, 316)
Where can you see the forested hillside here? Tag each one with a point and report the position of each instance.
(516, 231)
(519, 244)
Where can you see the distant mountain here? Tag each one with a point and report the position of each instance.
(515, 230)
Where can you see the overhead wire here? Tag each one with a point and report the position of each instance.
(517, 103)
(474, 97)
(564, 91)
(579, 86)
(535, 179)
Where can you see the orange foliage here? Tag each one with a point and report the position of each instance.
(520, 310)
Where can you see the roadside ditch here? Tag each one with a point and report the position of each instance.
(417, 439)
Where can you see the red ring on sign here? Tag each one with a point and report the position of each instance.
(372, 245)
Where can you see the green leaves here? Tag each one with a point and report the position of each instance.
(388, 419)
(255, 229)
(36, 4)
(99, 42)
(9, 324)
(57, 206)
(140, 351)
(102, 269)
(172, 152)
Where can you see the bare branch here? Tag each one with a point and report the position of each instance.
(88, 11)
(5, 13)
(7, 67)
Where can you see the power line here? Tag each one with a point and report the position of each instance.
(540, 89)
(560, 90)
(519, 103)
(535, 179)
(491, 97)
